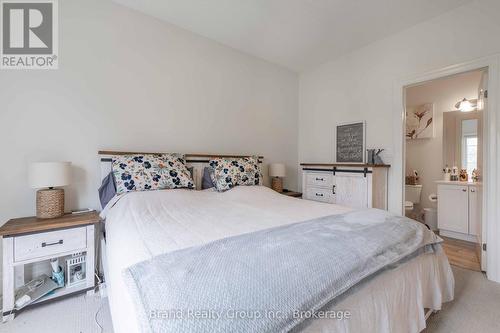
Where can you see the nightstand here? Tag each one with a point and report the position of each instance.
(29, 240)
(292, 193)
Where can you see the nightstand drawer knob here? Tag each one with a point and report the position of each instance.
(50, 244)
(319, 194)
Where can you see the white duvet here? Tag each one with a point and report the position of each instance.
(140, 225)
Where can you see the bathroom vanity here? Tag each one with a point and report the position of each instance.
(459, 210)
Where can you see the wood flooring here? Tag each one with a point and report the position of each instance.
(461, 253)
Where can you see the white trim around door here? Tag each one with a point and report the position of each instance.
(491, 210)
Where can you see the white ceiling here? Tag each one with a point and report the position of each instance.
(297, 34)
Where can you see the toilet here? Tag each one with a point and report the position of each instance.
(412, 196)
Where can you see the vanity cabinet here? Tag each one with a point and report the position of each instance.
(356, 186)
(459, 210)
(475, 203)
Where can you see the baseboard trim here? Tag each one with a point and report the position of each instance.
(458, 235)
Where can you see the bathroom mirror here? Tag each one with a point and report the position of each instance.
(462, 137)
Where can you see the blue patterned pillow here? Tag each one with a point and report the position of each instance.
(150, 172)
(228, 173)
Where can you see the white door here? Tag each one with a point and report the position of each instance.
(453, 211)
(482, 105)
(351, 190)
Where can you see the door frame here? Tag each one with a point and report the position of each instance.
(491, 150)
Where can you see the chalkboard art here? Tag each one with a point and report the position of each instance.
(351, 142)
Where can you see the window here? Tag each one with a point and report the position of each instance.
(469, 153)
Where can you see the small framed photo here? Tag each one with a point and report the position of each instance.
(351, 142)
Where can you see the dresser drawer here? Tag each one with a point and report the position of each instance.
(320, 194)
(49, 243)
(320, 179)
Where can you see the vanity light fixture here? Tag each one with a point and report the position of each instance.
(466, 105)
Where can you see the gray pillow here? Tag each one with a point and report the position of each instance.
(191, 171)
(107, 190)
(206, 180)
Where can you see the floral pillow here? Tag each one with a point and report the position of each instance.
(228, 173)
(150, 172)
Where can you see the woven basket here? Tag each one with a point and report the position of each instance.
(277, 184)
(49, 203)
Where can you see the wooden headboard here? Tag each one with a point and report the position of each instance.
(197, 161)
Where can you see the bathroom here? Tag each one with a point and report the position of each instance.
(443, 162)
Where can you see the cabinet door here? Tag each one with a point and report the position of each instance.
(351, 190)
(453, 211)
(474, 211)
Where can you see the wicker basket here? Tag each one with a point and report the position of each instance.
(277, 184)
(49, 203)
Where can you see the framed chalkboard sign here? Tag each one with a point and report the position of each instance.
(351, 144)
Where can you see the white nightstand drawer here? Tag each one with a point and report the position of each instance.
(49, 243)
(320, 194)
(318, 179)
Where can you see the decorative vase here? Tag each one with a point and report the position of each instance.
(463, 175)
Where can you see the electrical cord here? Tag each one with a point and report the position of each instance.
(96, 314)
(99, 282)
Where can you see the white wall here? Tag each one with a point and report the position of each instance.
(127, 81)
(359, 85)
(426, 155)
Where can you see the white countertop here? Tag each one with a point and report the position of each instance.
(449, 182)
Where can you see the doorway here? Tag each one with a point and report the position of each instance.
(443, 158)
(491, 159)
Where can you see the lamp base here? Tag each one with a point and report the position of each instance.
(49, 203)
(277, 184)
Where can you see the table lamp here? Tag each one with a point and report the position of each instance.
(45, 176)
(277, 171)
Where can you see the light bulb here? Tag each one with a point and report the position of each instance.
(465, 105)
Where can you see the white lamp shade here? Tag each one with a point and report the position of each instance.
(277, 170)
(49, 174)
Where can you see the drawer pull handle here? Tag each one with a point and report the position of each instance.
(321, 179)
(319, 194)
(464, 190)
(333, 189)
(473, 191)
(50, 244)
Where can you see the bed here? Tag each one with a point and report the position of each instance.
(142, 225)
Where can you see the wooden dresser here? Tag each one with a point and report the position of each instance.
(352, 185)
